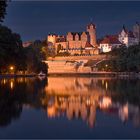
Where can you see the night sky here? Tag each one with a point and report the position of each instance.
(35, 19)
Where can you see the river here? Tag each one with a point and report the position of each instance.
(69, 107)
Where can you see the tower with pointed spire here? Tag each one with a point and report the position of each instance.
(127, 37)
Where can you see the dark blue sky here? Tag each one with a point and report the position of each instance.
(35, 19)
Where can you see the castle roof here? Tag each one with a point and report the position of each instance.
(110, 39)
(88, 45)
(129, 33)
(94, 26)
(79, 34)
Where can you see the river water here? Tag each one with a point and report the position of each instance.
(69, 107)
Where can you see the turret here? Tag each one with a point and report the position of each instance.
(52, 38)
(91, 28)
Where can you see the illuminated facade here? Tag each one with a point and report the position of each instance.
(75, 42)
(128, 38)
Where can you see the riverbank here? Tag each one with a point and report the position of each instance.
(99, 74)
(16, 75)
(81, 74)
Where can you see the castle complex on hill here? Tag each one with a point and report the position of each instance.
(85, 43)
(76, 42)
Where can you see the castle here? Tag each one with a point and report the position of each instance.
(85, 43)
(75, 42)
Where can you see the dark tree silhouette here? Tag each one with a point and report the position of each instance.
(3, 5)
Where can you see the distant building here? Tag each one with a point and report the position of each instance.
(128, 38)
(136, 31)
(109, 42)
(76, 42)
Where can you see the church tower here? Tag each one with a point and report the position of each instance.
(136, 31)
(91, 29)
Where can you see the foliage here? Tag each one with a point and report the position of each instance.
(11, 50)
(3, 5)
(35, 54)
(127, 59)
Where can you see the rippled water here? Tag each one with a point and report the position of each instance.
(69, 107)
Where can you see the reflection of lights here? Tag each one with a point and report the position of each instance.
(4, 81)
(92, 116)
(102, 82)
(51, 111)
(88, 102)
(106, 102)
(106, 85)
(11, 84)
(123, 112)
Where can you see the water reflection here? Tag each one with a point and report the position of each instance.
(82, 97)
(73, 98)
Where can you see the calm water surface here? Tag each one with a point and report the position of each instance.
(69, 107)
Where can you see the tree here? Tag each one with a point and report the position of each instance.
(3, 5)
(11, 50)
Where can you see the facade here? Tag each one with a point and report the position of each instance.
(109, 42)
(128, 38)
(76, 43)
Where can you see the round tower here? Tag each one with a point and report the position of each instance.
(91, 29)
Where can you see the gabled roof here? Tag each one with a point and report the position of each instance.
(129, 33)
(88, 45)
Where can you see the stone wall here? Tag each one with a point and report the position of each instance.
(94, 57)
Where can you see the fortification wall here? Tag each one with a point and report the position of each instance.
(94, 57)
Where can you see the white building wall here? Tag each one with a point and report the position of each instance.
(105, 48)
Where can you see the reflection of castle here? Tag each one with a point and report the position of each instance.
(82, 97)
(85, 107)
(75, 42)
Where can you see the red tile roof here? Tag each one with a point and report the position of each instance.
(110, 39)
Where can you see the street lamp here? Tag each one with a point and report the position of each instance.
(106, 65)
(11, 69)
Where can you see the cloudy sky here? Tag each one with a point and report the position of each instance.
(35, 19)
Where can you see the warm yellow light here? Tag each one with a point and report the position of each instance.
(106, 65)
(11, 68)
(106, 85)
(11, 84)
(51, 111)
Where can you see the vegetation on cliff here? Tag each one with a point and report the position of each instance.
(126, 59)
